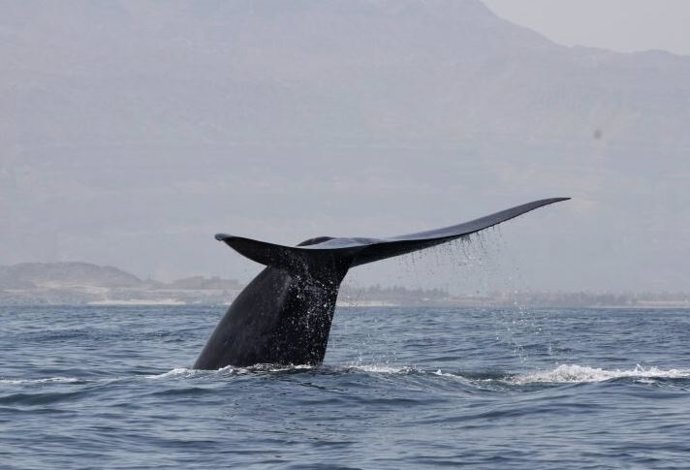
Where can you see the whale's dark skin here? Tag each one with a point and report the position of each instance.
(284, 315)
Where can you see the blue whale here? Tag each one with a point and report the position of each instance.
(284, 315)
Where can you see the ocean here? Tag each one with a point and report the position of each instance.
(401, 388)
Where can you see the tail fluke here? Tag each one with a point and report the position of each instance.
(400, 245)
(350, 252)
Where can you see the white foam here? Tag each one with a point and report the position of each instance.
(183, 372)
(270, 368)
(573, 373)
(565, 373)
(62, 380)
(440, 373)
(177, 372)
(379, 369)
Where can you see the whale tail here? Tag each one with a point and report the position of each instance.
(340, 254)
(284, 315)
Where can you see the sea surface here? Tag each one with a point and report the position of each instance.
(401, 388)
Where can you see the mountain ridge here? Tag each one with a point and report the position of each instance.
(81, 283)
(33, 274)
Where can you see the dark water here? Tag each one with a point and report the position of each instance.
(109, 387)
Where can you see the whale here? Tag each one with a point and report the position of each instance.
(284, 315)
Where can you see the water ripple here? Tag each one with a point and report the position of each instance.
(401, 388)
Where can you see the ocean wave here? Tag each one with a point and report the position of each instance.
(573, 373)
(232, 371)
(378, 369)
(227, 371)
(562, 374)
(178, 372)
(39, 381)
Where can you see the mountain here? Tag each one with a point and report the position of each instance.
(75, 283)
(135, 130)
(329, 72)
(65, 274)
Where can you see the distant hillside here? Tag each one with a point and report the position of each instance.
(28, 275)
(85, 283)
(329, 72)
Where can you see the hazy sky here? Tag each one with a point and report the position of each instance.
(621, 25)
(131, 131)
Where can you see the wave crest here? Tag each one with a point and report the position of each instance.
(573, 373)
(60, 380)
